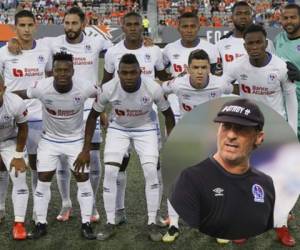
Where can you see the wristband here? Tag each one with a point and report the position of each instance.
(18, 155)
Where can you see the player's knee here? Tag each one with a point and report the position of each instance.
(150, 174)
(111, 171)
(32, 161)
(45, 176)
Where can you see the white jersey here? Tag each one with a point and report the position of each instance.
(132, 110)
(190, 97)
(268, 84)
(12, 111)
(177, 55)
(232, 48)
(62, 112)
(21, 71)
(85, 54)
(149, 58)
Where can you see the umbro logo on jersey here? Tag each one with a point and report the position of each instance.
(243, 77)
(116, 102)
(63, 49)
(176, 56)
(218, 191)
(186, 97)
(228, 46)
(14, 60)
(48, 101)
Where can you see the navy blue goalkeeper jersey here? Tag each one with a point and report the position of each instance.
(224, 205)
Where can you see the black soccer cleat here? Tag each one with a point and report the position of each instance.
(87, 231)
(39, 230)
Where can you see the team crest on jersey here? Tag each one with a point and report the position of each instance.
(41, 59)
(228, 46)
(243, 77)
(147, 58)
(213, 94)
(272, 78)
(77, 100)
(258, 193)
(88, 48)
(176, 56)
(145, 100)
(6, 118)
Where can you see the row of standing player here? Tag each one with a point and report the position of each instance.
(188, 27)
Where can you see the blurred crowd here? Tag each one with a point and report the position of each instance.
(216, 13)
(52, 11)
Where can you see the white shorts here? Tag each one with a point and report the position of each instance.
(49, 153)
(7, 150)
(97, 138)
(35, 129)
(118, 140)
(174, 103)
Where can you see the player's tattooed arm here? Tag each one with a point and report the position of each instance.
(163, 75)
(83, 159)
(169, 120)
(14, 46)
(18, 161)
(107, 76)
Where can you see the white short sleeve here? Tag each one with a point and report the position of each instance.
(160, 100)
(109, 65)
(101, 101)
(21, 114)
(159, 63)
(35, 91)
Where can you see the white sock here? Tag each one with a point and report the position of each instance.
(20, 194)
(152, 190)
(63, 181)
(121, 189)
(173, 216)
(34, 179)
(4, 179)
(161, 187)
(85, 198)
(42, 197)
(95, 172)
(110, 191)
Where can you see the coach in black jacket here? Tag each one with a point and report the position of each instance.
(223, 196)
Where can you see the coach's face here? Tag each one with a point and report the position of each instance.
(256, 44)
(199, 71)
(129, 75)
(188, 29)
(290, 20)
(133, 28)
(242, 17)
(25, 28)
(236, 142)
(73, 26)
(63, 72)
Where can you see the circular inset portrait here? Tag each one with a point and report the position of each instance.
(223, 169)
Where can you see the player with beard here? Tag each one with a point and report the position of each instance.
(85, 51)
(287, 45)
(231, 46)
(19, 71)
